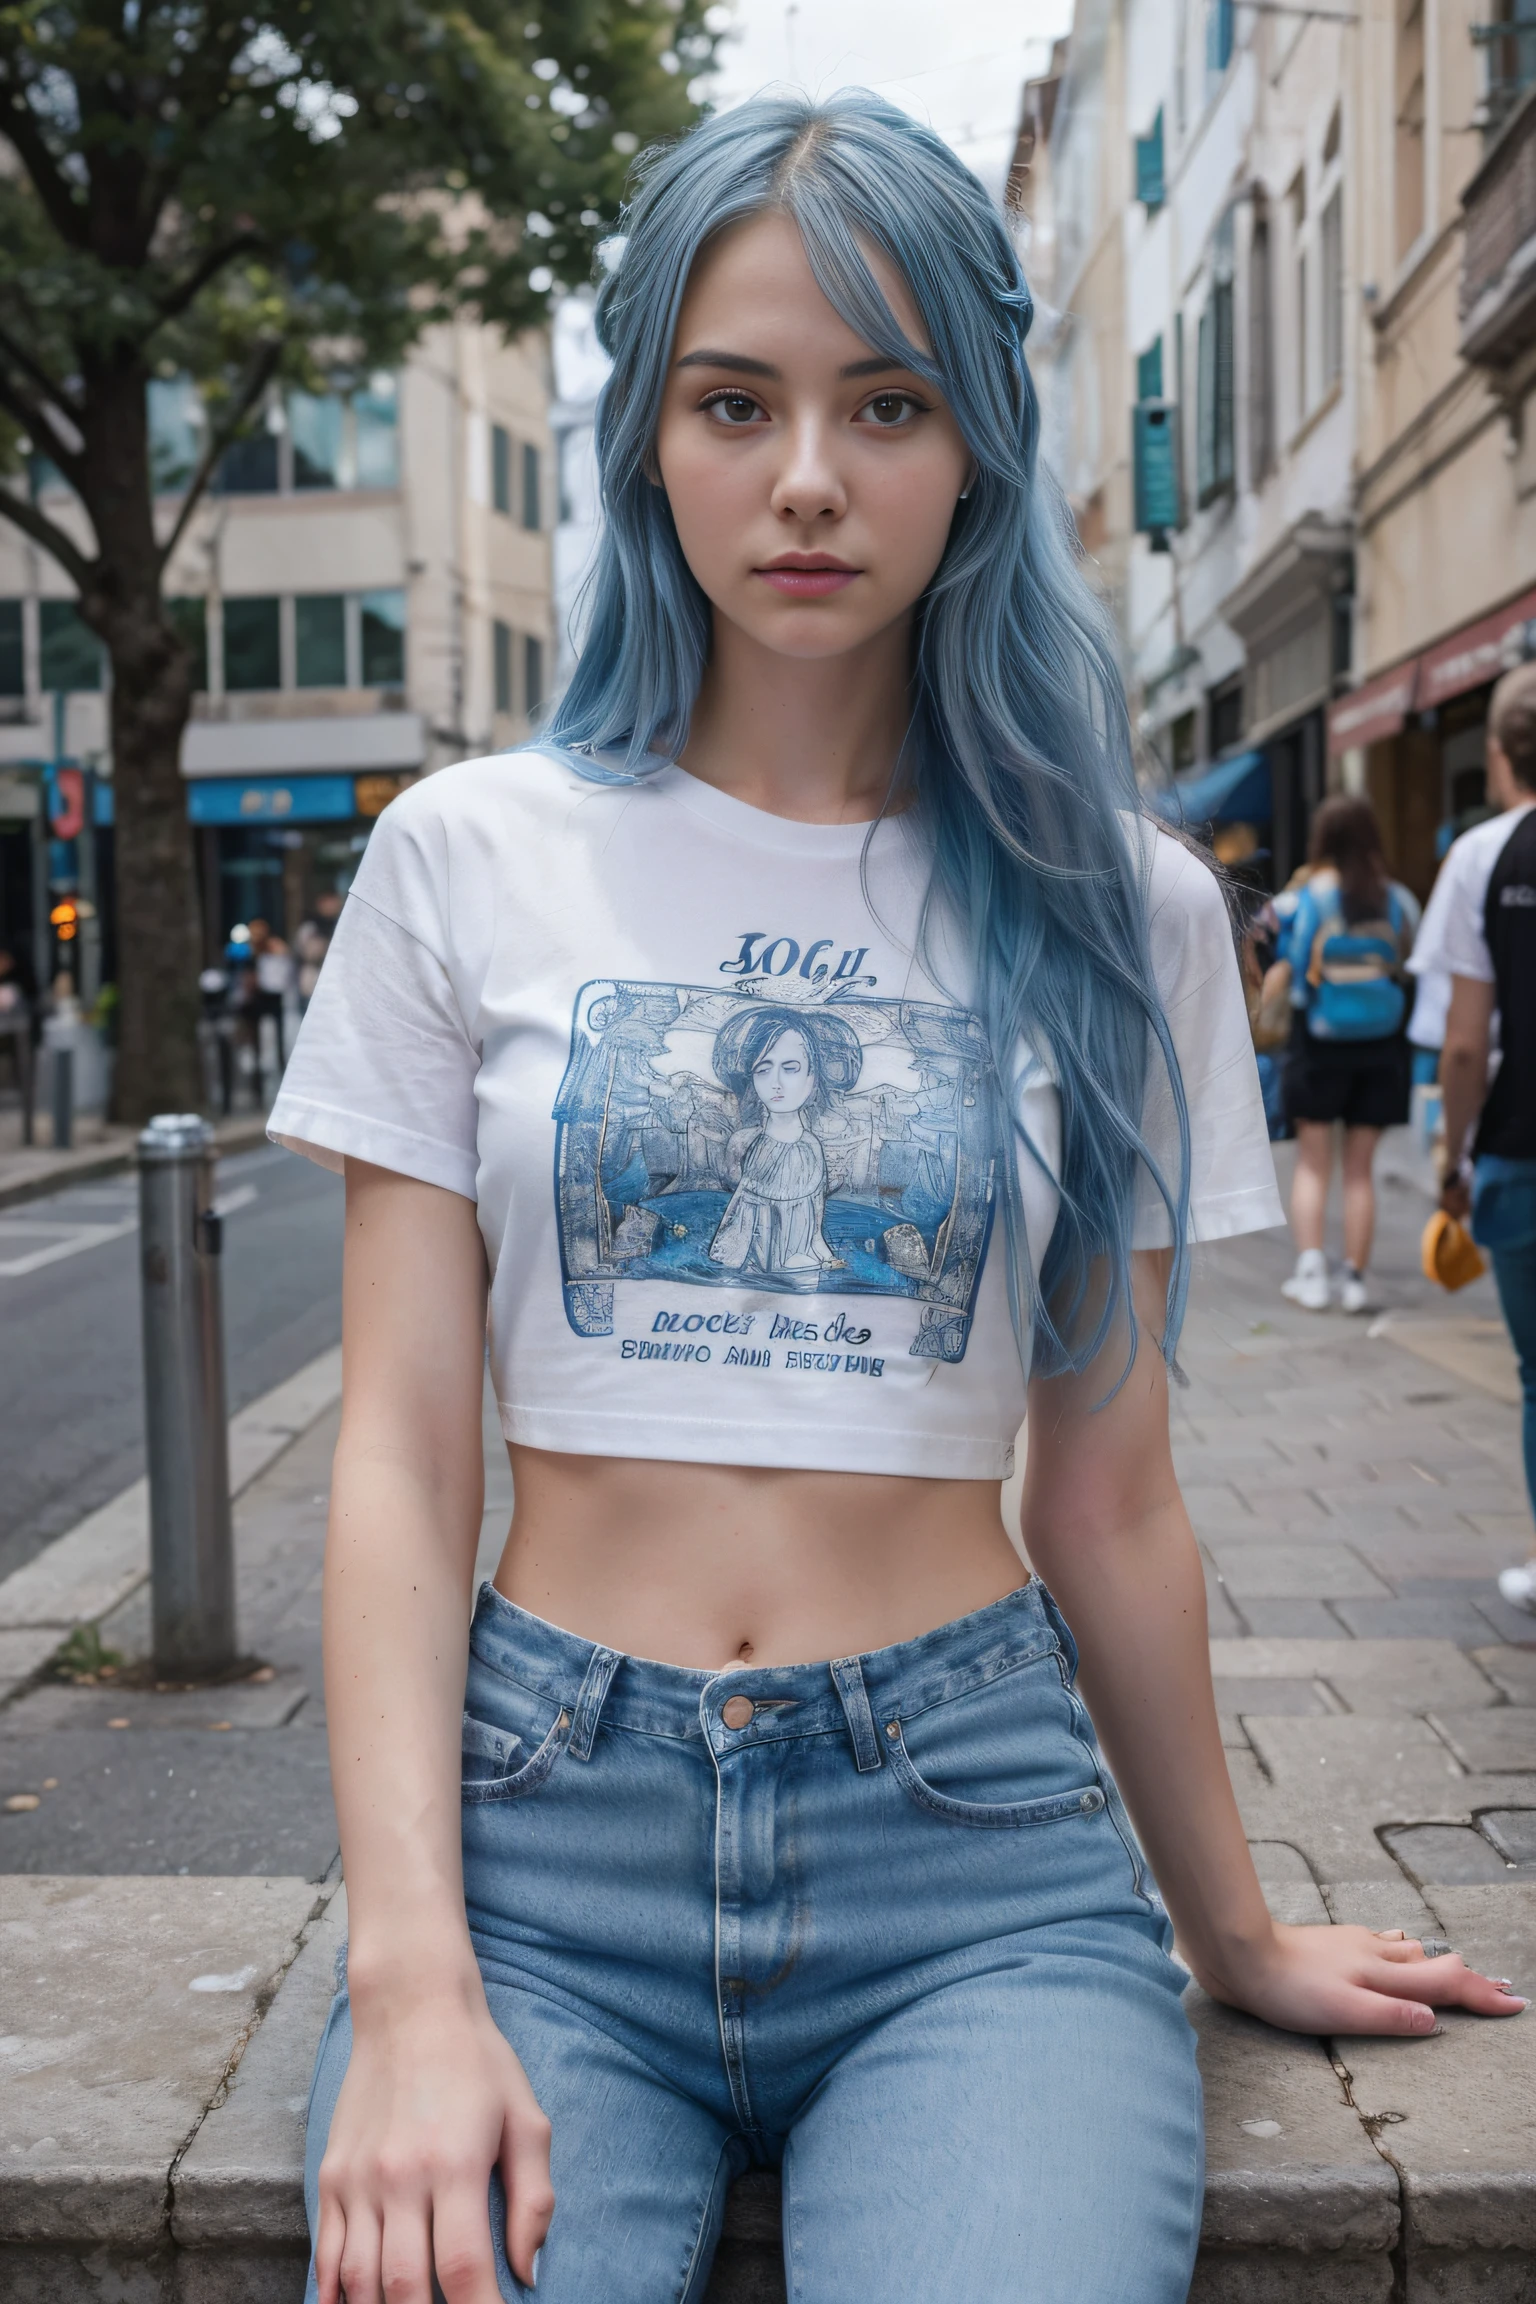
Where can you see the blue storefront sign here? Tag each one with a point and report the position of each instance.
(271, 800)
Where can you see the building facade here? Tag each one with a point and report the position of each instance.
(368, 594)
(1446, 477)
(1325, 549)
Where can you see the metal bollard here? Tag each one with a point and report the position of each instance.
(191, 1553)
(63, 1085)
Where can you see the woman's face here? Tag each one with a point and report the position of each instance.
(782, 1076)
(812, 482)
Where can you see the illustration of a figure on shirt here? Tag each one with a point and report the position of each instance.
(712, 1138)
(784, 1067)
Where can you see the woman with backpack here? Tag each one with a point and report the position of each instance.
(1347, 947)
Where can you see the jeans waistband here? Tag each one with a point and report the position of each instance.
(851, 1695)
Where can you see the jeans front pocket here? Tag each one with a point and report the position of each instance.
(998, 1756)
(501, 1763)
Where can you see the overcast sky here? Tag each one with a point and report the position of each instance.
(958, 64)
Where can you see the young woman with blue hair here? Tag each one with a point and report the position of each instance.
(782, 1837)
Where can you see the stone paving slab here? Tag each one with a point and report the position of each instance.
(235, 2183)
(1459, 2121)
(1369, 1675)
(1485, 1742)
(123, 2005)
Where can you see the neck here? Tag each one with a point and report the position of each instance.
(816, 739)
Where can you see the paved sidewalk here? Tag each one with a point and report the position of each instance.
(100, 1149)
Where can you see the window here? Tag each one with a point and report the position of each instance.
(1261, 356)
(1224, 716)
(1218, 36)
(315, 428)
(1509, 45)
(381, 617)
(71, 652)
(1149, 165)
(533, 675)
(175, 432)
(320, 640)
(1331, 268)
(1408, 126)
(376, 434)
(249, 467)
(13, 661)
(253, 656)
(501, 664)
(189, 619)
(532, 515)
(501, 469)
(1215, 462)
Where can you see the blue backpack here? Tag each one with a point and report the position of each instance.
(1353, 972)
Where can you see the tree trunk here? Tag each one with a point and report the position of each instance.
(158, 939)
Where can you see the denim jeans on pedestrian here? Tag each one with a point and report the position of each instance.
(880, 1924)
(1504, 1222)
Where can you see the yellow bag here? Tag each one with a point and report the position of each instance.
(1271, 1014)
(1449, 1254)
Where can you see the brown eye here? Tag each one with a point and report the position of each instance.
(890, 409)
(733, 408)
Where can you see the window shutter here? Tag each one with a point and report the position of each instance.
(1224, 460)
(1205, 405)
(1149, 372)
(1149, 165)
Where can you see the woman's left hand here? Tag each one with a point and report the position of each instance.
(1328, 1980)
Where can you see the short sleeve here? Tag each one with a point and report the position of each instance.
(1232, 1170)
(1462, 943)
(384, 1067)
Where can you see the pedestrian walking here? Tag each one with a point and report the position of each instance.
(757, 1819)
(1484, 914)
(312, 941)
(1346, 947)
(273, 983)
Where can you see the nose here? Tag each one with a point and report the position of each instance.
(809, 485)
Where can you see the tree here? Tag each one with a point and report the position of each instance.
(246, 193)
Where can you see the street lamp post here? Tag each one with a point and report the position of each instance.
(192, 1573)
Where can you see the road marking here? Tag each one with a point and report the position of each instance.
(76, 1238)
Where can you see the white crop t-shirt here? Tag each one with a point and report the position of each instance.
(726, 1140)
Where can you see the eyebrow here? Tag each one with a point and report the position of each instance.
(738, 364)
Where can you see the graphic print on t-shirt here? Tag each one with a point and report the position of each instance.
(738, 1139)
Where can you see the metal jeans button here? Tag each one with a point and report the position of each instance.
(1090, 1801)
(737, 1711)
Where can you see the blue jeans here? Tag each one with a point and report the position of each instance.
(887, 1930)
(1504, 1222)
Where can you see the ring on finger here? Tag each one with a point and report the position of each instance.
(1436, 1947)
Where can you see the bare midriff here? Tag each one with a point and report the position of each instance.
(711, 1565)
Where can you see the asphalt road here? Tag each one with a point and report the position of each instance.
(71, 1392)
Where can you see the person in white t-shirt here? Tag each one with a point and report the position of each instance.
(1482, 916)
(757, 1818)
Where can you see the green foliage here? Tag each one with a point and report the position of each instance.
(301, 186)
(84, 1659)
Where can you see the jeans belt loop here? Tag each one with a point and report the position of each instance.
(848, 1679)
(596, 1682)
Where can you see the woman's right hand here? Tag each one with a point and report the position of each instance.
(433, 2100)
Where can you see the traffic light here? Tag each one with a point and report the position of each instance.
(64, 920)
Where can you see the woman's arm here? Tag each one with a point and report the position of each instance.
(1464, 1079)
(434, 2097)
(1104, 1523)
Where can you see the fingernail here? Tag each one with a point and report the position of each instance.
(538, 2252)
(1503, 1983)
(1517, 2002)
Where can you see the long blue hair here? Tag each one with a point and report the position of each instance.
(1018, 753)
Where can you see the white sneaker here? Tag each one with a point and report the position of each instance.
(1308, 1284)
(1352, 1295)
(1518, 1586)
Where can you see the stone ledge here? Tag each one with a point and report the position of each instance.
(151, 2136)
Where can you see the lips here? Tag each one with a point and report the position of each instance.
(807, 575)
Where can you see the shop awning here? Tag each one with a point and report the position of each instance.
(1375, 710)
(1467, 659)
(1234, 791)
